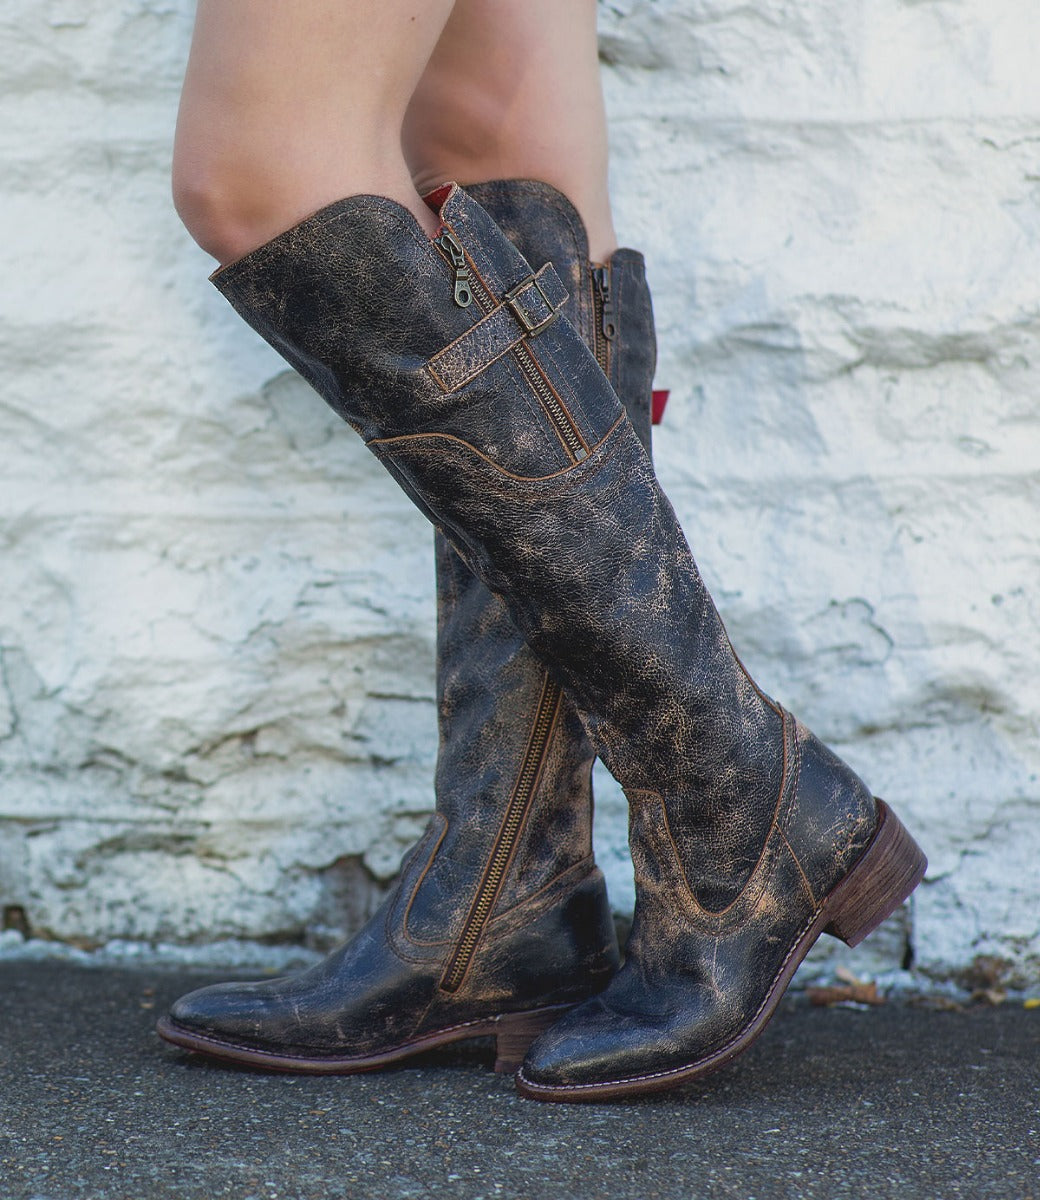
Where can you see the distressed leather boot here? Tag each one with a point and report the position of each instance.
(500, 918)
(455, 362)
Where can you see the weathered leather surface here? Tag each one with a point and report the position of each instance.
(518, 207)
(550, 938)
(544, 225)
(368, 997)
(489, 680)
(694, 979)
(597, 574)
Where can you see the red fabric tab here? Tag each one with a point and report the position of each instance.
(658, 400)
(437, 197)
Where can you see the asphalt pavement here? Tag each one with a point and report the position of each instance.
(896, 1101)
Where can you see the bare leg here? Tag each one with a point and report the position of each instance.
(513, 90)
(288, 107)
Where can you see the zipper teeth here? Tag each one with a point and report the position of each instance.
(599, 342)
(570, 437)
(568, 434)
(505, 843)
(548, 704)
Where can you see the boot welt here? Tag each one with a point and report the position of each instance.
(884, 875)
(513, 1033)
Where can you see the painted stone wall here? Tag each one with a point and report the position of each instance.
(216, 625)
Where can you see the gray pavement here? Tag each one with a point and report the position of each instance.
(892, 1102)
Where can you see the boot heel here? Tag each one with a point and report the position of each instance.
(888, 871)
(516, 1031)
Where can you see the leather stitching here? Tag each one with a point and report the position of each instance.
(414, 941)
(402, 438)
(502, 923)
(759, 874)
(456, 384)
(573, 1087)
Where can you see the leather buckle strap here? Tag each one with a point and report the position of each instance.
(532, 300)
(526, 310)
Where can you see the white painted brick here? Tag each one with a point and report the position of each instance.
(216, 625)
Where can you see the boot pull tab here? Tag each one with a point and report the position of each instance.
(658, 400)
(456, 256)
(604, 301)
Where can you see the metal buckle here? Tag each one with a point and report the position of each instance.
(512, 299)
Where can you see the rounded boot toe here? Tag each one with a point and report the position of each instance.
(553, 1057)
(197, 1009)
(582, 1049)
(221, 1010)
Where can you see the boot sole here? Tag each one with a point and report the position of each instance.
(513, 1033)
(883, 877)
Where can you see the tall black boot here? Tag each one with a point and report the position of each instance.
(500, 917)
(454, 362)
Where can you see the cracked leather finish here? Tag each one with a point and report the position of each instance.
(518, 207)
(549, 938)
(682, 994)
(741, 823)
(367, 998)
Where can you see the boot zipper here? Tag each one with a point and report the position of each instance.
(472, 286)
(564, 426)
(604, 329)
(456, 256)
(508, 834)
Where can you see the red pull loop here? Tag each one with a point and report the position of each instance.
(658, 400)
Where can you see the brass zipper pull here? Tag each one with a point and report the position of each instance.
(450, 247)
(604, 302)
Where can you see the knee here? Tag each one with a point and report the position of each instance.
(234, 198)
(214, 206)
(453, 129)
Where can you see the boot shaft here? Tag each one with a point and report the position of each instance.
(480, 397)
(505, 729)
(608, 302)
(455, 363)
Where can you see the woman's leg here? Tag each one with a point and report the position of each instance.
(499, 918)
(513, 91)
(288, 107)
(750, 838)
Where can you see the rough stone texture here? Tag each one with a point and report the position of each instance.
(216, 633)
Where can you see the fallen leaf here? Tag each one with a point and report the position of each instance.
(989, 995)
(937, 1003)
(986, 971)
(856, 993)
(846, 976)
